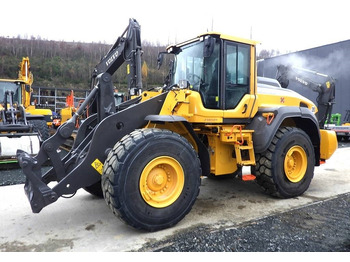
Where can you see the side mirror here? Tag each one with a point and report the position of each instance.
(27, 88)
(160, 59)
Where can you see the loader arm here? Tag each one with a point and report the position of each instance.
(128, 49)
(83, 165)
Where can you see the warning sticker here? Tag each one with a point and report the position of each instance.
(98, 166)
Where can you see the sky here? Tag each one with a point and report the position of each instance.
(286, 26)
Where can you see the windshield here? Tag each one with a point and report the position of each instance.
(201, 72)
(9, 86)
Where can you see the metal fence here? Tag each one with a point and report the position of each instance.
(55, 98)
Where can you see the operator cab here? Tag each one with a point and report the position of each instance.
(218, 68)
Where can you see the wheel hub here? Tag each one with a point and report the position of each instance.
(295, 164)
(156, 179)
(161, 181)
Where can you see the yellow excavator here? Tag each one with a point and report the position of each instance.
(147, 155)
(26, 77)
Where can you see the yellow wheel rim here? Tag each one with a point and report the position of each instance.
(162, 181)
(295, 164)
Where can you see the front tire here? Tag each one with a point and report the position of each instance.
(151, 179)
(286, 169)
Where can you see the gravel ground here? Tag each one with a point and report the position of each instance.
(12, 175)
(320, 227)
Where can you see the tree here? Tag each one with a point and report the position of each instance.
(70, 64)
(264, 53)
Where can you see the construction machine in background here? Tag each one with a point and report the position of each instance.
(67, 112)
(64, 114)
(324, 85)
(340, 127)
(318, 82)
(147, 155)
(72, 106)
(39, 111)
(20, 125)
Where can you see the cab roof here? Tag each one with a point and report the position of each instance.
(219, 35)
(231, 38)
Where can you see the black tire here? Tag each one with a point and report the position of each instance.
(41, 127)
(125, 169)
(286, 169)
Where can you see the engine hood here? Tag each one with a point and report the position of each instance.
(270, 96)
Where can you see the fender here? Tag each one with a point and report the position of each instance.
(302, 117)
(202, 149)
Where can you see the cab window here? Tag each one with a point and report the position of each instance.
(237, 71)
(202, 72)
(13, 87)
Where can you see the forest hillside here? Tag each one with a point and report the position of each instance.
(70, 64)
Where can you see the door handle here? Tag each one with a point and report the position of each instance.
(245, 107)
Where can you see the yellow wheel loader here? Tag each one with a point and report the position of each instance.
(20, 125)
(146, 156)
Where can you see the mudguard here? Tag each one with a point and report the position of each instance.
(202, 149)
(264, 131)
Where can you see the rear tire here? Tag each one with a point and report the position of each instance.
(151, 179)
(286, 169)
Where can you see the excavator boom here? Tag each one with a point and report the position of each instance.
(325, 88)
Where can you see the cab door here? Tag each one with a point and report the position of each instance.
(237, 81)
